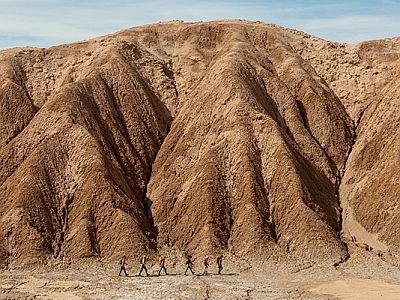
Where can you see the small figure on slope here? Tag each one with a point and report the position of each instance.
(189, 264)
(122, 263)
(161, 262)
(143, 265)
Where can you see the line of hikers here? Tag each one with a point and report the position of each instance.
(161, 262)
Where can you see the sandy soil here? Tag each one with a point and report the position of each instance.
(359, 278)
(357, 288)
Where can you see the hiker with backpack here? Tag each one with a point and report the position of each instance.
(206, 263)
(143, 265)
(219, 264)
(189, 264)
(161, 262)
(122, 263)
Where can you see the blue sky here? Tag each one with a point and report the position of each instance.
(43, 23)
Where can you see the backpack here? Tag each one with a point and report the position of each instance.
(120, 261)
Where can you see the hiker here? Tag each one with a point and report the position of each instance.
(161, 262)
(189, 264)
(143, 266)
(122, 263)
(219, 264)
(206, 263)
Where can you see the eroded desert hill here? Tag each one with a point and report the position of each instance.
(229, 136)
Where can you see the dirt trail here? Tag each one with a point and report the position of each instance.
(361, 277)
(42, 288)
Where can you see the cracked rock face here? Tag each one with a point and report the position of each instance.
(202, 138)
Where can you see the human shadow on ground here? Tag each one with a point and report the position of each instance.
(215, 274)
(178, 274)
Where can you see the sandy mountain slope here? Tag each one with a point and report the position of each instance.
(229, 136)
(366, 79)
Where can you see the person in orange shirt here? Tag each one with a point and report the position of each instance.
(122, 263)
(161, 262)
